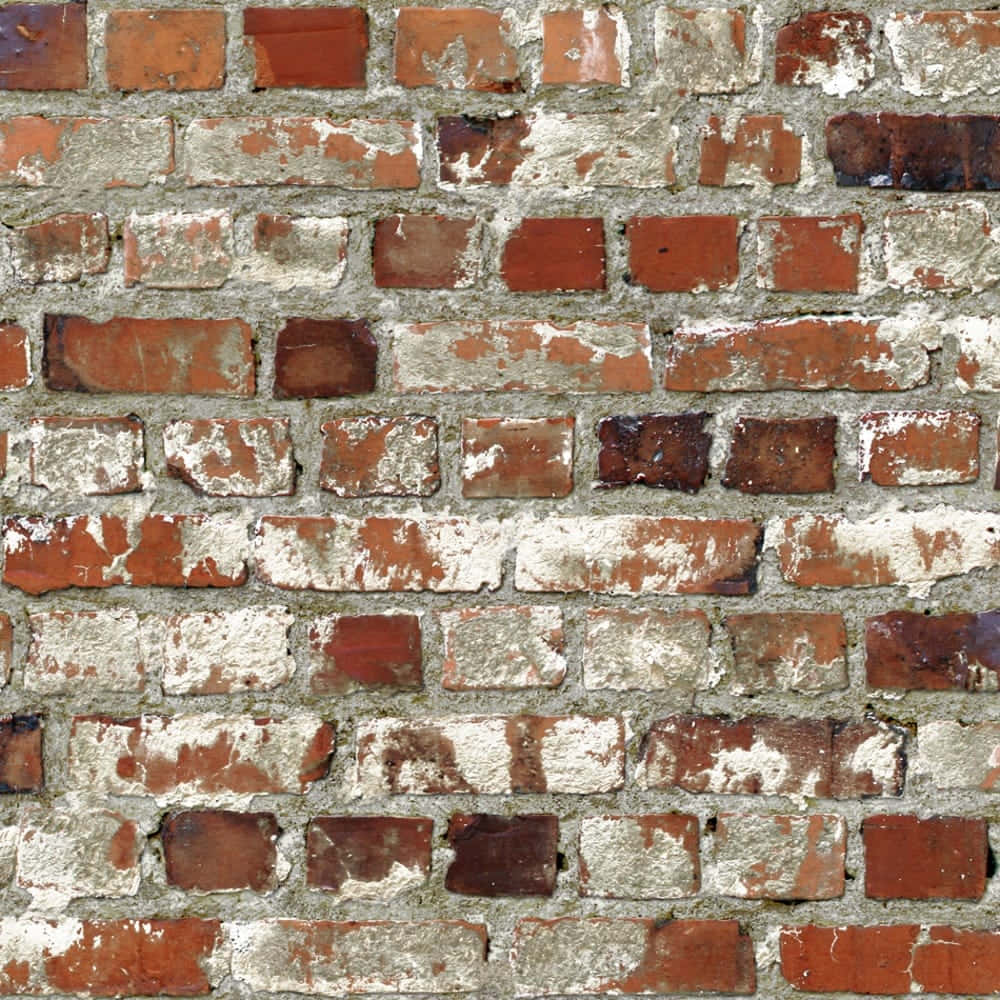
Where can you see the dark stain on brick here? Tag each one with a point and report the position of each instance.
(654, 449)
(431, 751)
(782, 456)
(367, 651)
(494, 147)
(20, 753)
(320, 358)
(43, 46)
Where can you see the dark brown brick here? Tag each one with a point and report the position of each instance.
(492, 145)
(20, 753)
(214, 850)
(43, 46)
(355, 652)
(424, 251)
(549, 255)
(655, 449)
(685, 253)
(782, 456)
(503, 856)
(317, 358)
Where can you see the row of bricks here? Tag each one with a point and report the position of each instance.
(378, 858)
(498, 648)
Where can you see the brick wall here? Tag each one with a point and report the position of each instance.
(498, 501)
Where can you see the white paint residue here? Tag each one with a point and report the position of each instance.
(583, 755)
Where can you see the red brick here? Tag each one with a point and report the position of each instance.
(782, 456)
(585, 48)
(907, 857)
(307, 46)
(826, 48)
(502, 856)
(762, 150)
(166, 49)
(687, 253)
(61, 248)
(360, 652)
(425, 251)
(426, 40)
(656, 449)
(208, 357)
(320, 358)
(551, 255)
(918, 447)
(809, 254)
(15, 357)
(43, 46)
(508, 457)
(20, 753)
(178, 249)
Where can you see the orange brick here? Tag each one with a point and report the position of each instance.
(587, 48)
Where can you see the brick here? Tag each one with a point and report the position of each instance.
(6, 648)
(502, 856)
(959, 755)
(490, 755)
(510, 457)
(159, 550)
(425, 251)
(432, 552)
(648, 650)
(198, 759)
(8, 857)
(166, 49)
(631, 956)
(66, 854)
(307, 46)
(76, 652)
(918, 652)
(178, 249)
(229, 457)
(638, 555)
(764, 755)
(977, 368)
(759, 149)
(62, 247)
(91, 456)
(906, 857)
(505, 648)
(809, 352)
(777, 857)
(380, 456)
(941, 248)
(918, 447)
(43, 46)
(20, 753)
(908, 548)
(639, 857)
(826, 49)
(585, 48)
(553, 255)
(368, 857)
(655, 449)
(809, 254)
(460, 48)
(291, 250)
(533, 355)
(782, 456)
(222, 652)
(15, 357)
(332, 959)
(946, 53)
(110, 958)
(704, 51)
(79, 154)
(321, 358)
(350, 653)
(207, 357)
(358, 154)
(214, 850)
(686, 253)
(556, 149)
(787, 651)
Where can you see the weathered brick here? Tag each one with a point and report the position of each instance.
(777, 857)
(178, 249)
(554, 255)
(368, 857)
(20, 753)
(159, 550)
(228, 457)
(463, 48)
(704, 51)
(425, 251)
(809, 254)
(585, 48)
(639, 857)
(787, 651)
(635, 554)
(292, 250)
(502, 856)
(307, 46)
(380, 456)
(317, 358)
(631, 956)
(62, 247)
(497, 356)
(208, 357)
(918, 447)
(959, 755)
(759, 149)
(655, 449)
(685, 253)
(828, 49)
(15, 357)
(490, 755)
(43, 46)
(87, 455)
(506, 648)
(8, 859)
(214, 850)
(977, 368)
(6, 647)
(358, 154)
(782, 456)
(166, 49)
(208, 758)
(906, 857)
(510, 457)
(359, 652)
